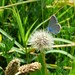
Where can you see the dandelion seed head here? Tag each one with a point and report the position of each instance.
(41, 40)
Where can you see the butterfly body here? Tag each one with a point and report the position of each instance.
(53, 26)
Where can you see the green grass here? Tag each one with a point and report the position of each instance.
(19, 19)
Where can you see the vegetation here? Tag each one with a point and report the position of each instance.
(19, 19)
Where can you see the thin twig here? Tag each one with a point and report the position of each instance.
(65, 45)
(19, 3)
(64, 67)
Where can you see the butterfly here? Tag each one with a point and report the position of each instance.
(53, 26)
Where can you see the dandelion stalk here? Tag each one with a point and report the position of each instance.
(41, 40)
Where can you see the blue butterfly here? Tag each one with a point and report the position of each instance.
(53, 26)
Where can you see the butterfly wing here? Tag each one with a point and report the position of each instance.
(53, 20)
(53, 25)
(54, 29)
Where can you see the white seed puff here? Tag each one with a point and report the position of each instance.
(41, 40)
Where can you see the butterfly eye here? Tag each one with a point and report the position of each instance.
(53, 26)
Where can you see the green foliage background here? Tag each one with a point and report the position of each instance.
(18, 21)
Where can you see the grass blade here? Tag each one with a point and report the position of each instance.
(9, 37)
(19, 23)
(60, 51)
(28, 32)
